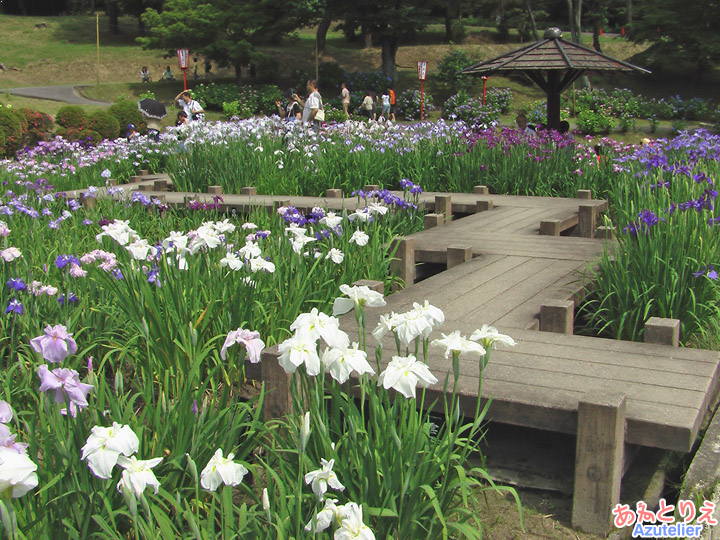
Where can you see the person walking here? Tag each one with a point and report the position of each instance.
(192, 108)
(385, 111)
(367, 107)
(345, 97)
(393, 99)
(312, 106)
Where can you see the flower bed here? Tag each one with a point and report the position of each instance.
(120, 384)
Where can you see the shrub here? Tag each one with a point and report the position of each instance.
(39, 126)
(105, 124)
(458, 31)
(72, 116)
(359, 82)
(600, 121)
(126, 112)
(11, 127)
(448, 69)
(334, 115)
(472, 111)
(88, 136)
(266, 97)
(235, 109)
(212, 96)
(408, 104)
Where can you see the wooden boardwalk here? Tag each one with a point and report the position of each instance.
(522, 264)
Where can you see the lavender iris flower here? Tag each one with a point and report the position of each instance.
(66, 385)
(55, 345)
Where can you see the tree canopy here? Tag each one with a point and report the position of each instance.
(680, 30)
(226, 31)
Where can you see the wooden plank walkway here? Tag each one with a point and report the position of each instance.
(512, 263)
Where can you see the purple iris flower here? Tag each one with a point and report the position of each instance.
(55, 345)
(71, 298)
(14, 306)
(66, 385)
(63, 260)
(16, 284)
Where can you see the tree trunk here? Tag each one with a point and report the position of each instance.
(629, 12)
(367, 37)
(141, 26)
(238, 75)
(596, 36)
(112, 11)
(532, 20)
(575, 17)
(322, 29)
(388, 54)
(23, 7)
(578, 20)
(448, 24)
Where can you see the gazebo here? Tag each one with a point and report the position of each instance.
(553, 64)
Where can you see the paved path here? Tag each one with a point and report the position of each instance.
(66, 94)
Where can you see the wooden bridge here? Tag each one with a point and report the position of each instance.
(522, 264)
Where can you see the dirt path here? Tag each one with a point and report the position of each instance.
(66, 94)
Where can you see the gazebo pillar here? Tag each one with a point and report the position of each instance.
(553, 99)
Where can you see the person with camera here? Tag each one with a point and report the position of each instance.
(292, 109)
(192, 108)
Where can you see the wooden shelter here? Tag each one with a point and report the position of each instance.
(553, 64)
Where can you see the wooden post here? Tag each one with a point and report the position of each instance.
(215, 190)
(483, 206)
(144, 172)
(372, 284)
(135, 179)
(403, 263)
(248, 190)
(598, 461)
(557, 316)
(145, 187)
(160, 185)
(586, 220)
(481, 190)
(334, 193)
(550, 227)
(278, 401)
(88, 202)
(662, 331)
(443, 205)
(433, 220)
(584, 194)
(458, 255)
(279, 203)
(111, 182)
(372, 187)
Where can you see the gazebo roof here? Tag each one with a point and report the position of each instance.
(552, 53)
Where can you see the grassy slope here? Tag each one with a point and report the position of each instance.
(65, 53)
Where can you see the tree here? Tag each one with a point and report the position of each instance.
(575, 19)
(226, 31)
(680, 31)
(390, 24)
